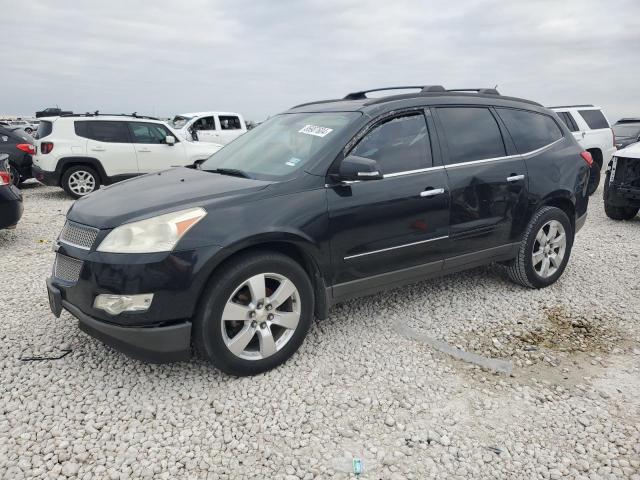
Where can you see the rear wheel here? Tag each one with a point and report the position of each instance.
(254, 314)
(80, 180)
(544, 250)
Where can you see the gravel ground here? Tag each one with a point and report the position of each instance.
(360, 386)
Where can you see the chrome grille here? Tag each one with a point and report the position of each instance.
(78, 235)
(67, 268)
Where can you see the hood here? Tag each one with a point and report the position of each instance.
(632, 151)
(158, 193)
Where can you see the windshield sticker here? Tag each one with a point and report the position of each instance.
(315, 130)
(293, 161)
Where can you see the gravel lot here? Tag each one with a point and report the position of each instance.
(367, 383)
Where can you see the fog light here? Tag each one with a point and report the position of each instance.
(116, 304)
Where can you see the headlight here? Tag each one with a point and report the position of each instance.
(157, 234)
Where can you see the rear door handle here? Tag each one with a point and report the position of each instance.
(144, 150)
(432, 192)
(515, 178)
(97, 149)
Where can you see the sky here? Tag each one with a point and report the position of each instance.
(260, 57)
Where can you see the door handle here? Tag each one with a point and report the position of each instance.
(144, 150)
(97, 149)
(432, 192)
(515, 178)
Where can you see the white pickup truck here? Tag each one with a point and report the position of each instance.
(214, 127)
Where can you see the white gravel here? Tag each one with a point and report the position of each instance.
(357, 388)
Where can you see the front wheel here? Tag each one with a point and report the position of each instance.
(254, 314)
(544, 250)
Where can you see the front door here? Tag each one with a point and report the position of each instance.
(204, 130)
(488, 184)
(381, 228)
(153, 153)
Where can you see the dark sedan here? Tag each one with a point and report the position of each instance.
(20, 146)
(10, 198)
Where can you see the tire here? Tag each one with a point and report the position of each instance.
(15, 176)
(28, 130)
(523, 270)
(594, 178)
(72, 181)
(620, 213)
(214, 335)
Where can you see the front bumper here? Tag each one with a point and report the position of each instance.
(46, 177)
(163, 332)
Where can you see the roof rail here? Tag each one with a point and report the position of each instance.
(571, 106)
(486, 91)
(98, 114)
(629, 120)
(362, 95)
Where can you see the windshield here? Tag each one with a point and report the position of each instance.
(629, 130)
(180, 121)
(281, 145)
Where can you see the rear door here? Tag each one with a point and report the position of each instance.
(230, 128)
(488, 182)
(108, 141)
(205, 129)
(152, 150)
(398, 222)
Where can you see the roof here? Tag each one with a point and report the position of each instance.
(567, 107)
(103, 116)
(200, 114)
(436, 94)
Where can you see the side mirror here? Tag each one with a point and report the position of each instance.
(170, 140)
(355, 168)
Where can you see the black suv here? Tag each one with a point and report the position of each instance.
(328, 201)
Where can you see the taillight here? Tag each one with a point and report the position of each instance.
(5, 178)
(586, 156)
(46, 147)
(27, 148)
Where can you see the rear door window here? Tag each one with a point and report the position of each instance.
(204, 123)
(398, 145)
(229, 122)
(594, 118)
(471, 133)
(152, 133)
(529, 130)
(103, 131)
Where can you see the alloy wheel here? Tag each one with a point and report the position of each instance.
(261, 316)
(81, 183)
(549, 249)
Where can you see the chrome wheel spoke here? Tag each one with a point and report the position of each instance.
(286, 319)
(541, 237)
(559, 241)
(267, 343)
(282, 294)
(257, 287)
(555, 261)
(544, 269)
(240, 341)
(537, 257)
(235, 311)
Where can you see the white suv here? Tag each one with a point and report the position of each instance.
(81, 152)
(594, 134)
(217, 127)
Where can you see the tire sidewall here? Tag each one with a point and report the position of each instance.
(79, 168)
(594, 178)
(551, 214)
(208, 323)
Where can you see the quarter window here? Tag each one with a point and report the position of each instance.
(398, 145)
(149, 132)
(229, 122)
(594, 118)
(471, 134)
(529, 130)
(102, 131)
(568, 120)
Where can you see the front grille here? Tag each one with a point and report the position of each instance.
(67, 268)
(78, 235)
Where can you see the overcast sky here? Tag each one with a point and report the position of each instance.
(261, 57)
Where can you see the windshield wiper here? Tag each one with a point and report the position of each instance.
(230, 171)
